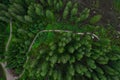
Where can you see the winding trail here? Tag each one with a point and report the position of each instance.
(10, 37)
(37, 35)
(8, 75)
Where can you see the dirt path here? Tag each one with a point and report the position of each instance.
(9, 76)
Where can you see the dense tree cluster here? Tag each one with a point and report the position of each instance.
(57, 40)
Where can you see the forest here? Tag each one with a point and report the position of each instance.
(59, 39)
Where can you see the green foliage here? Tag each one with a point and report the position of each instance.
(21, 40)
(95, 19)
(28, 18)
(2, 74)
(77, 56)
(116, 5)
(58, 55)
(74, 11)
(17, 50)
(3, 38)
(39, 10)
(84, 15)
(65, 13)
(34, 12)
(50, 15)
